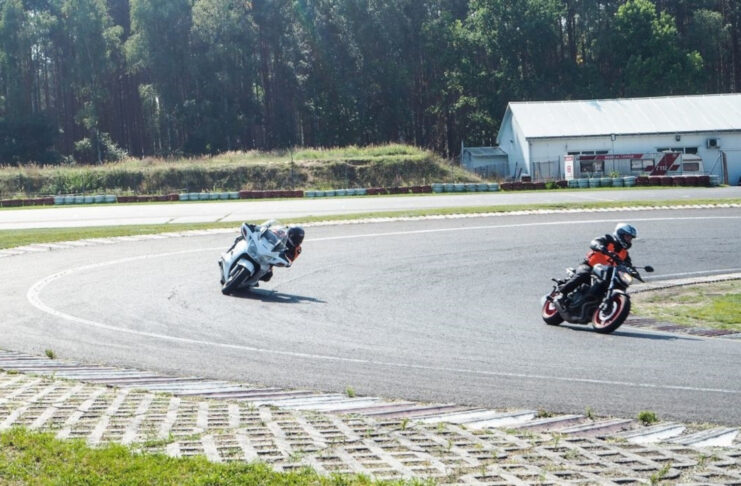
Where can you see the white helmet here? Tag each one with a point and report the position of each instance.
(621, 231)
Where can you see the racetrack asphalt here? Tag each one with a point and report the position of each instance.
(511, 463)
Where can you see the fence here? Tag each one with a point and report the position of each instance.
(494, 170)
(546, 171)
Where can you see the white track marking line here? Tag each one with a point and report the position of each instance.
(514, 225)
(33, 296)
(709, 272)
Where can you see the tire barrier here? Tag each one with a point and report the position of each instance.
(370, 191)
(465, 187)
(630, 181)
(15, 203)
(439, 187)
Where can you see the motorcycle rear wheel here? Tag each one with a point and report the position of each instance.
(605, 322)
(550, 314)
(236, 275)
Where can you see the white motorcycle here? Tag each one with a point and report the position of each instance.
(253, 256)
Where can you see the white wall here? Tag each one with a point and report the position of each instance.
(544, 150)
(512, 141)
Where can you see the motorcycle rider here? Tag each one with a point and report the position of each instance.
(293, 245)
(603, 249)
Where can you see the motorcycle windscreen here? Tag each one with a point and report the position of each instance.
(276, 239)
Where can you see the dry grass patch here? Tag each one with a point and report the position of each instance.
(713, 305)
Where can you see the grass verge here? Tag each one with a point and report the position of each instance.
(14, 238)
(712, 305)
(30, 458)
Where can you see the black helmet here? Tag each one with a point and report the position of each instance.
(295, 236)
(621, 231)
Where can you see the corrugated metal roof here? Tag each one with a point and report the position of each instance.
(485, 151)
(671, 114)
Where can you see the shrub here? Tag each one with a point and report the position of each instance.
(100, 148)
(647, 417)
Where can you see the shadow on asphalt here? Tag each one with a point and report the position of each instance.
(637, 334)
(274, 296)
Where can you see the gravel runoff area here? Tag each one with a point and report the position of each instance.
(384, 439)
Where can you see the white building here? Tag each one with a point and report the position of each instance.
(628, 136)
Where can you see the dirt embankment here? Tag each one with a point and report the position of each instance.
(236, 171)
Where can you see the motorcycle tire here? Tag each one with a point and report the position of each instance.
(237, 274)
(606, 322)
(550, 314)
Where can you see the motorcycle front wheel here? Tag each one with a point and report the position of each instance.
(236, 275)
(607, 320)
(549, 313)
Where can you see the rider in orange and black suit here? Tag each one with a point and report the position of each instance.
(605, 250)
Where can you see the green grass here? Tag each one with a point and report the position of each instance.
(335, 168)
(713, 305)
(14, 238)
(647, 417)
(33, 458)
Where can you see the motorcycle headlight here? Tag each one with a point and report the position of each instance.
(625, 278)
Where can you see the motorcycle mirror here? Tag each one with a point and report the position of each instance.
(649, 268)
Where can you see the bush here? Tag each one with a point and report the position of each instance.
(100, 148)
(647, 417)
(28, 139)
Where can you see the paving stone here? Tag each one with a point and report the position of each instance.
(379, 446)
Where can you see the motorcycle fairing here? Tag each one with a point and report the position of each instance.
(257, 252)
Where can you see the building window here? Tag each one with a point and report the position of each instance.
(682, 150)
(641, 164)
(591, 166)
(588, 152)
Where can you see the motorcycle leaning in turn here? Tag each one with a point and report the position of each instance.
(604, 300)
(253, 256)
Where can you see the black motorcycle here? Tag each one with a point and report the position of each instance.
(604, 301)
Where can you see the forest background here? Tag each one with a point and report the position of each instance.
(94, 80)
